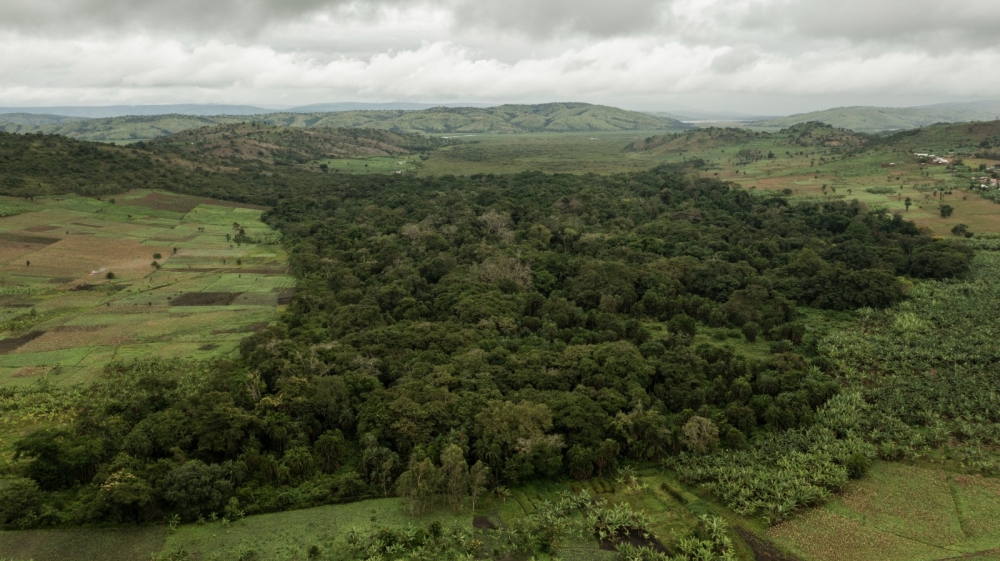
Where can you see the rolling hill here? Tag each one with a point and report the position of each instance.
(811, 134)
(880, 119)
(550, 117)
(289, 145)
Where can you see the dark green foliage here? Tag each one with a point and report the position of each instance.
(59, 459)
(941, 260)
(543, 325)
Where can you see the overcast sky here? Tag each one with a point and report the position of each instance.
(756, 56)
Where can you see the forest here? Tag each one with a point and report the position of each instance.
(453, 336)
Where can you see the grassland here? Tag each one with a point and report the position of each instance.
(289, 536)
(901, 512)
(63, 318)
(813, 163)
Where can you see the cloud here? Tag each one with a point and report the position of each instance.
(640, 53)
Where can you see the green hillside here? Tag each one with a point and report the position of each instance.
(114, 129)
(877, 119)
(14, 122)
(960, 138)
(549, 117)
(753, 143)
(290, 145)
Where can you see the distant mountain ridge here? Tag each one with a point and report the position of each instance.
(548, 117)
(881, 119)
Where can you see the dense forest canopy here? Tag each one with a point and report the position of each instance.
(541, 325)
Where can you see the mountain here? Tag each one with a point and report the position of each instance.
(105, 111)
(695, 115)
(362, 106)
(879, 119)
(120, 129)
(549, 117)
(13, 122)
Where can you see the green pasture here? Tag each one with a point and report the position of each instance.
(370, 165)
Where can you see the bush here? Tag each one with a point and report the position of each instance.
(18, 497)
(946, 210)
(682, 323)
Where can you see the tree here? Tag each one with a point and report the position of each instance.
(195, 487)
(455, 475)
(960, 230)
(750, 331)
(478, 475)
(946, 210)
(908, 203)
(328, 449)
(418, 484)
(700, 435)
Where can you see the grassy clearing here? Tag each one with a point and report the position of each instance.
(371, 165)
(289, 536)
(900, 512)
(120, 544)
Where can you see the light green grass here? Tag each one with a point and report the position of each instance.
(900, 512)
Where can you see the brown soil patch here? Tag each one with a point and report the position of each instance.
(158, 201)
(78, 256)
(41, 228)
(183, 204)
(483, 523)
(87, 225)
(11, 251)
(252, 328)
(27, 238)
(208, 347)
(205, 299)
(77, 328)
(29, 372)
(11, 344)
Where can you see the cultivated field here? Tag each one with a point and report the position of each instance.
(79, 288)
(904, 513)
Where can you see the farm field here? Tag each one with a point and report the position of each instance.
(901, 512)
(64, 317)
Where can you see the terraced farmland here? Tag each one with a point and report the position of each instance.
(84, 282)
